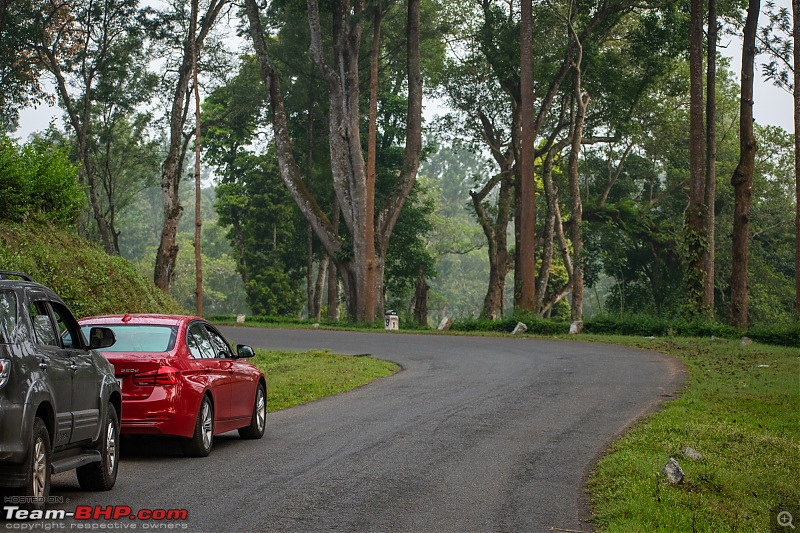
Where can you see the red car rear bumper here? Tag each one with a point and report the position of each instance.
(164, 412)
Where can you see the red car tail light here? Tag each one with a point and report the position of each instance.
(165, 375)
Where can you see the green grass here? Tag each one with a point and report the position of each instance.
(299, 377)
(741, 409)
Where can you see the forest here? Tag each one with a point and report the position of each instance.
(559, 159)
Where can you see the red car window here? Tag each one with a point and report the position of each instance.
(222, 348)
(198, 343)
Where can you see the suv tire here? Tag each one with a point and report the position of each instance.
(38, 463)
(103, 475)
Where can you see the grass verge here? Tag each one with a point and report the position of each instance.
(741, 409)
(299, 377)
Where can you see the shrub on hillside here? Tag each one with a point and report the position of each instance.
(90, 281)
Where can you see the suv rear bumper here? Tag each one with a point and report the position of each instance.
(14, 435)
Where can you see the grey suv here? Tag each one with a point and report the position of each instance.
(59, 400)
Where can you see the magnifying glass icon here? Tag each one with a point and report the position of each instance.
(785, 519)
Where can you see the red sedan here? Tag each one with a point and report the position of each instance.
(180, 377)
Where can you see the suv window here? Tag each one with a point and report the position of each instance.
(69, 330)
(43, 332)
(223, 350)
(198, 343)
(8, 316)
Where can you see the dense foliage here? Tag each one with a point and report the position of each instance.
(38, 182)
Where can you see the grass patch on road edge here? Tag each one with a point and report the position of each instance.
(740, 408)
(299, 377)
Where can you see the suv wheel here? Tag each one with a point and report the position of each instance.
(102, 475)
(38, 485)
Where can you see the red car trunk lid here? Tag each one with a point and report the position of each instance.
(140, 373)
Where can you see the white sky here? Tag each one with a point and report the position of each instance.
(773, 106)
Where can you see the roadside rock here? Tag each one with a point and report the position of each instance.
(445, 324)
(691, 453)
(673, 471)
(746, 341)
(519, 328)
(576, 327)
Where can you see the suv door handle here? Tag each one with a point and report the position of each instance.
(43, 364)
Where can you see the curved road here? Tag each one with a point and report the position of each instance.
(475, 434)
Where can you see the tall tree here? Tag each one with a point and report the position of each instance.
(93, 49)
(525, 267)
(581, 101)
(198, 221)
(369, 193)
(796, 91)
(347, 160)
(711, 159)
(696, 247)
(742, 179)
(172, 168)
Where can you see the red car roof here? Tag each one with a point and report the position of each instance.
(140, 319)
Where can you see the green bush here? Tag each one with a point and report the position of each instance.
(780, 335)
(538, 326)
(648, 325)
(39, 183)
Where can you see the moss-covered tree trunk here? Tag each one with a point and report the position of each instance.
(742, 179)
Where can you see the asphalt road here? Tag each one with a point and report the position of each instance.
(474, 434)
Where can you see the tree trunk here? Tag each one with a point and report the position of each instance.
(525, 265)
(380, 269)
(711, 159)
(309, 230)
(742, 179)
(421, 298)
(498, 243)
(581, 102)
(198, 222)
(315, 309)
(369, 217)
(696, 246)
(333, 275)
(796, 52)
(551, 195)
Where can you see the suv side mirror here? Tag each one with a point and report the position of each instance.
(244, 351)
(100, 338)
